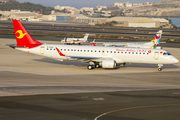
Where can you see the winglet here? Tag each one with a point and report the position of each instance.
(23, 38)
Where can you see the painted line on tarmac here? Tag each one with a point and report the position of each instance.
(130, 108)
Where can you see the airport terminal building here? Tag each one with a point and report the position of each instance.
(122, 21)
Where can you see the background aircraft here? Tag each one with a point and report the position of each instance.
(106, 57)
(75, 40)
(152, 44)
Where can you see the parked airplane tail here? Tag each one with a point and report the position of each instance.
(23, 38)
(156, 39)
(86, 36)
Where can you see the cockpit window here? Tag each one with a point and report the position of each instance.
(166, 53)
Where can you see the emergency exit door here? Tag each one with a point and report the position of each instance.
(156, 55)
(42, 50)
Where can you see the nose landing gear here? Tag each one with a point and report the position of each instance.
(159, 67)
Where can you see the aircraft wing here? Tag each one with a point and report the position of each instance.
(84, 58)
(88, 58)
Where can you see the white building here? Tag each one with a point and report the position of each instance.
(118, 4)
(87, 9)
(123, 4)
(127, 4)
(58, 7)
(25, 15)
(49, 17)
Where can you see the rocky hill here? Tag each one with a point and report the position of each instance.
(170, 8)
(6, 0)
(26, 6)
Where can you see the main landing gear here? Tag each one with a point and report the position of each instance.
(93, 65)
(159, 67)
(90, 67)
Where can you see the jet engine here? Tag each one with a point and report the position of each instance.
(108, 64)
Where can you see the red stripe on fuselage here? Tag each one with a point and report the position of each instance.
(59, 52)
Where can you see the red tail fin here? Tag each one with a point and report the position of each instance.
(23, 38)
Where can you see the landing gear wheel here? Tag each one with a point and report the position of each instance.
(159, 69)
(89, 67)
(97, 66)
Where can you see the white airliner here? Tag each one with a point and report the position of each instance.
(106, 57)
(152, 44)
(75, 40)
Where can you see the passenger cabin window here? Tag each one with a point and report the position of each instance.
(51, 48)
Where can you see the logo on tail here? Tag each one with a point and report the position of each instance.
(21, 34)
(23, 38)
(156, 39)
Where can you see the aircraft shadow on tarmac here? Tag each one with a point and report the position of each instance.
(150, 65)
(81, 64)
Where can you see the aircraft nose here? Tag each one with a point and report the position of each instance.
(176, 60)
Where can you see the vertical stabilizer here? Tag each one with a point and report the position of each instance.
(156, 39)
(23, 38)
(86, 36)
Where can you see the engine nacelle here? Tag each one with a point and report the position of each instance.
(108, 64)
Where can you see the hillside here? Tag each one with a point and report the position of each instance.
(6, 0)
(26, 6)
(169, 8)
